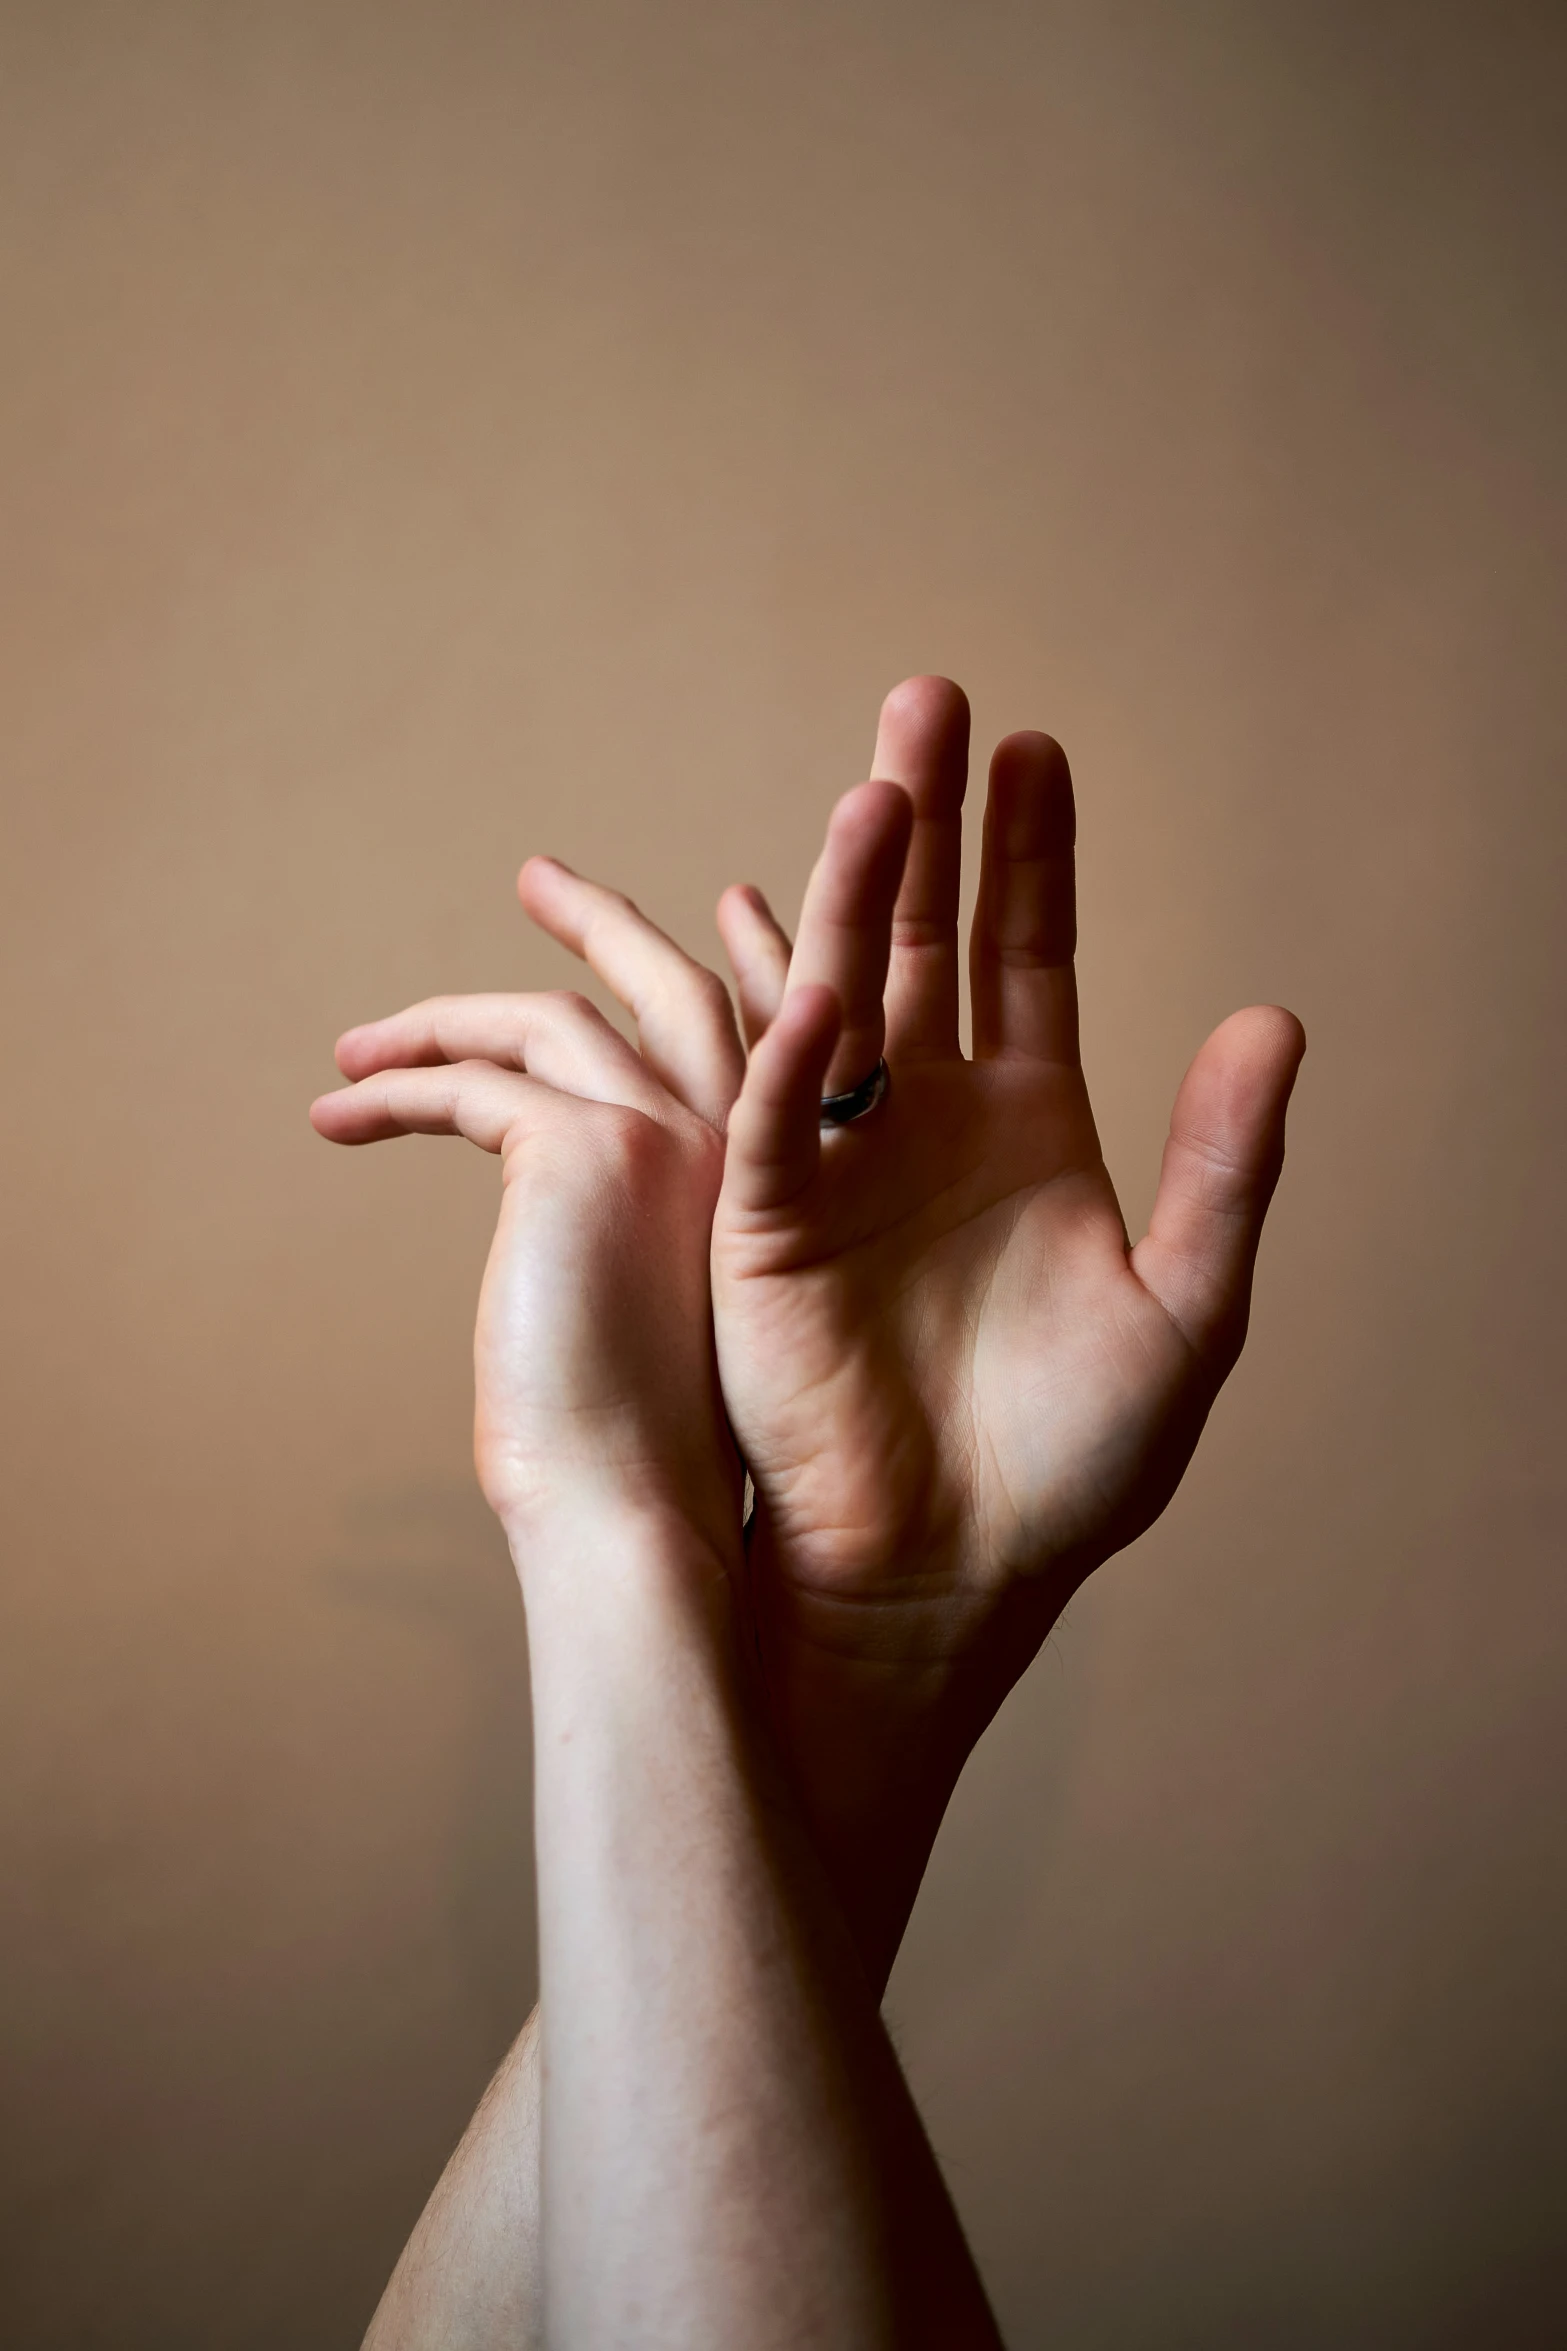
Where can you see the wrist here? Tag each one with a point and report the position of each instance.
(875, 1713)
(873, 1757)
(594, 1543)
(633, 1657)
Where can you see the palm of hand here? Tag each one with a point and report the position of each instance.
(956, 1387)
(943, 1372)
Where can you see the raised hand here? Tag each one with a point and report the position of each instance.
(956, 1386)
(728, 2150)
(593, 1350)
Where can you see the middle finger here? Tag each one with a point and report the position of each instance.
(845, 935)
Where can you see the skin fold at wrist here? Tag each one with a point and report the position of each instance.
(599, 1547)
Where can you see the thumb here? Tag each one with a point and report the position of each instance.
(1222, 1160)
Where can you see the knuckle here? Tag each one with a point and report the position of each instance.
(614, 905)
(569, 1004)
(710, 992)
(632, 1144)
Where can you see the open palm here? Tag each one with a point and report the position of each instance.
(943, 1371)
(945, 1367)
(956, 1387)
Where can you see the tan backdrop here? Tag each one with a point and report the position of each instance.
(434, 431)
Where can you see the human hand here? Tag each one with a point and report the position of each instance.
(956, 1387)
(718, 2078)
(594, 1372)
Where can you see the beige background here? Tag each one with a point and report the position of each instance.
(432, 432)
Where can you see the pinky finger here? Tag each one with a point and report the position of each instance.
(469, 1098)
(758, 950)
(774, 1146)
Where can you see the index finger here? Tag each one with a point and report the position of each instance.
(845, 935)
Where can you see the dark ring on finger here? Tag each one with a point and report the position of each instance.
(841, 1110)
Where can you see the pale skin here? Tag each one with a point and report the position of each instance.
(955, 1385)
(728, 2151)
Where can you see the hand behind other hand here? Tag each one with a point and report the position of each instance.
(594, 1372)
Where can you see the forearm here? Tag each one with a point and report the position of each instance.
(469, 2278)
(874, 1746)
(872, 1785)
(730, 2154)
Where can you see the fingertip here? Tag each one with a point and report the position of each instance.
(1224, 1158)
(1031, 743)
(924, 702)
(869, 834)
(737, 907)
(535, 873)
(1234, 1099)
(540, 879)
(878, 805)
(736, 920)
(1263, 1044)
(544, 887)
(1031, 795)
(350, 1050)
(1290, 1030)
(744, 915)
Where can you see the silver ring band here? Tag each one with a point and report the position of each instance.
(841, 1110)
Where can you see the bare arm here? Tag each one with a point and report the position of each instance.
(469, 2274)
(730, 2152)
(898, 1596)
